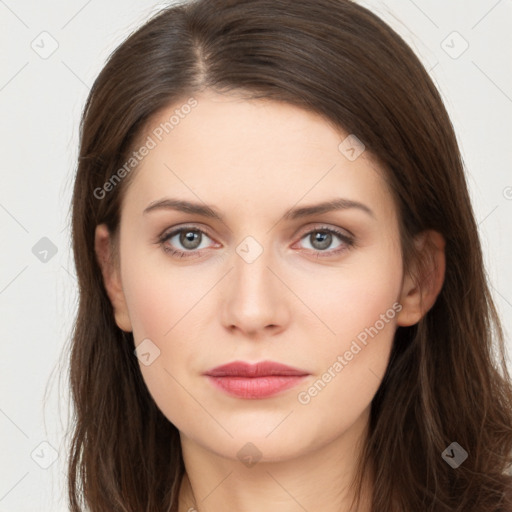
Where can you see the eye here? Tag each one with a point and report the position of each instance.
(188, 240)
(321, 238)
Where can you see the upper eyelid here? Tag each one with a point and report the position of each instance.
(174, 231)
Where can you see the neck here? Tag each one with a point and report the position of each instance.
(316, 480)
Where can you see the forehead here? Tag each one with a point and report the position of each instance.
(251, 155)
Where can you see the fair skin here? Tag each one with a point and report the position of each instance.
(298, 302)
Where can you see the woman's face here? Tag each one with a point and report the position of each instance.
(265, 283)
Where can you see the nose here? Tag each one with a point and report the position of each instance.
(255, 298)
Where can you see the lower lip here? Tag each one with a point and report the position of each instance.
(255, 387)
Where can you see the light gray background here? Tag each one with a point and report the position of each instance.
(41, 101)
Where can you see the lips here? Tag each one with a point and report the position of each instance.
(262, 369)
(254, 381)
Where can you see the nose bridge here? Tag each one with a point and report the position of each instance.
(251, 260)
(254, 298)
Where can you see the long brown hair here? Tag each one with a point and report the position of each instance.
(447, 378)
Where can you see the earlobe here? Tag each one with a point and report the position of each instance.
(422, 285)
(111, 277)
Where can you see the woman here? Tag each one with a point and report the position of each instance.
(282, 293)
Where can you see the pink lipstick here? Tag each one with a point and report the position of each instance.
(255, 381)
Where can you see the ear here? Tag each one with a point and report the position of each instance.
(422, 284)
(111, 276)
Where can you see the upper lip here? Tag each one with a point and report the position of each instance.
(261, 369)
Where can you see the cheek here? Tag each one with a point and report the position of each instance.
(360, 308)
(347, 301)
(162, 308)
(160, 299)
(348, 379)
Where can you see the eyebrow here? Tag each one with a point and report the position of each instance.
(291, 214)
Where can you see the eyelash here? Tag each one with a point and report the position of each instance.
(347, 241)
